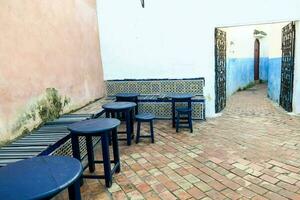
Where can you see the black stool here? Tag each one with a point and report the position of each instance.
(97, 127)
(188, 113)
(144, 117)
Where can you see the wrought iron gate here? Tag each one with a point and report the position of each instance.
(220, 69)
(287, 67)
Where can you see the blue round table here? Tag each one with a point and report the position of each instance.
(129, 97)
(40, 178)
(113, 108)
(97, 127)
(179, 98)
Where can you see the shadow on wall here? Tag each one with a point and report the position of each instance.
(274, 79)
(240, 73)
(263, 68)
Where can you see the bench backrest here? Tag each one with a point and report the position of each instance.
(155, 86)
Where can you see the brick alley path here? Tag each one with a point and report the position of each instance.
(250, 152)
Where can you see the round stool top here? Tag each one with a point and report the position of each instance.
(180, 96)
(92, 126)
(41, 177)
(120, 105)
(127, 95)
(145, 116)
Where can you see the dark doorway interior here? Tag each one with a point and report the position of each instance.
(256, 59)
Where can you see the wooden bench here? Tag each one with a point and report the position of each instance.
(52, 138)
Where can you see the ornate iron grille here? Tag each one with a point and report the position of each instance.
(287, 67)
(220, 69)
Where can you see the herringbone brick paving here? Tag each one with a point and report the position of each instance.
(250, 152)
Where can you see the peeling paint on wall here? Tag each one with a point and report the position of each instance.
(49, 106)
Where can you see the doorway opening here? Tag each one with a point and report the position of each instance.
(255, 54)
(256, 59)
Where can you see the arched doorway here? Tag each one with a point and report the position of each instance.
(256, 59)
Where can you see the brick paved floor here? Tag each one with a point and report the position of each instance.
(250, 152)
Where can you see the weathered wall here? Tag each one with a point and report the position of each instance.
(175, 38)
(47, 44)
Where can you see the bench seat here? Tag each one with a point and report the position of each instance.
(46, 140)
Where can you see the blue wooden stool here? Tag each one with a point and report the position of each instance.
(144, 117)
(187, 112)
(97, 127)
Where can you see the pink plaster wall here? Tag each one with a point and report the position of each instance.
(47, 43)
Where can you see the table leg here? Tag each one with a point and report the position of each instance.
(107, 114)
(106, 160)
(90, 153)
(152, 131)
(128, 127)
(76, 150)
(132, 121)
(137, 106)
(173, 113)
(113, 115)
(74, 191)
(116, 149)
(75, 146)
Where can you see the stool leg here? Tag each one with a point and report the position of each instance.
(128, 128)
(74, 191)
(138, 131)
(106, 160)
(151, 131)
(190, 122)
(90, 153)
(116, 149)
(177, 121)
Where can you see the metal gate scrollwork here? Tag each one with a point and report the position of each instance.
(287, 67)
(220, 69)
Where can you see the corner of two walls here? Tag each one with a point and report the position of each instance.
(240, 58)
(53, 44)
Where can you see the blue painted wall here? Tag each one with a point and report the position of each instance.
(263, 68)
(274, 78)
(240, 72)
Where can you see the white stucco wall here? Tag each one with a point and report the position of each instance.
(175, 38)
(296, 96)
(243, 39)
(240, 56)
(275, 31)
